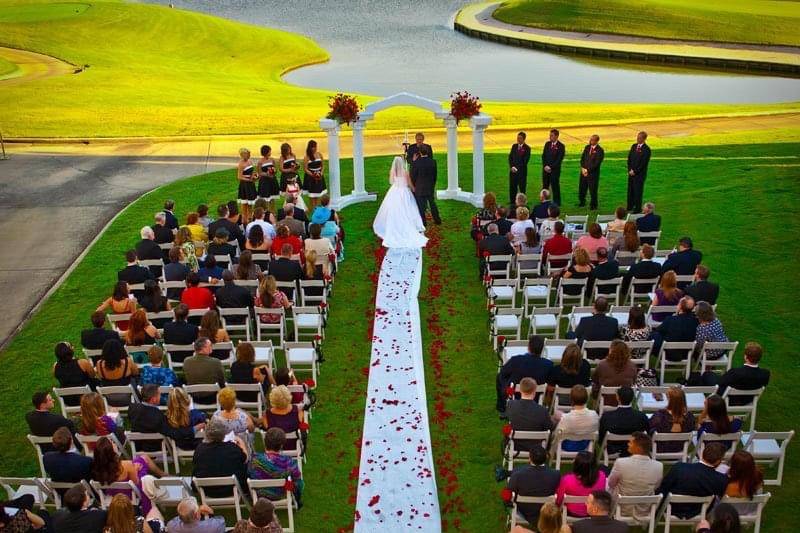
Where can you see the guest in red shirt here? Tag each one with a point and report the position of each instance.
(285, 236)
(196, 297)
(557, 245)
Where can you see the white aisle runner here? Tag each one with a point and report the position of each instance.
(397, 484)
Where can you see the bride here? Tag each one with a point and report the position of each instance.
(398, 221)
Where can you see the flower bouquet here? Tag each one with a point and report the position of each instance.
(464, 106)
(343, 108)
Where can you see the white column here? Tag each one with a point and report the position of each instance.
(358, 158)
(452, 156)
(331, 128)
(478, 124)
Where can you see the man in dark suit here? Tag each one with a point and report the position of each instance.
(540, 210)
(598, 507)
(638, 160)
(93, 339)
(528, 365)
(684, 261)
(231, 295)
(701, 289)
(696, 479)
(162, 233)
(680, 327)
(746, 377)
(179, 331)
(591, 159)
(224, 221)
(285, 269)
(518, 159)
(648, 222)
(42, 422)
(646, 268)
(147, 248)
(172, 221)
(423, 178)
(493, 244)
(145, 417)
(525, 413)
(606, 269)
(63, 465)
(414, 151)
(503, 224)
(552, 156)
(535, 479)
(624, 420)
(598, 327)
(134, 273)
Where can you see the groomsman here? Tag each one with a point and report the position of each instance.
(552, 156)
(591, 160)
(638, 160)
(415, 150)
(518, 159)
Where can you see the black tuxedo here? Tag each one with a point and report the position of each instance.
(692, 479)
(93, 339)
(413, 149)
(518, 157)
(683, 262)
(234, 232)
(743, 378)
(604, 271)
(649, 222)
(600, 524)
(675, 328)
(232, 295)
(495, 245)
(134, 274)
(298, 214)
(530, 480)
(69, 467)
(638, 160)
(286, 270)
(552, 156)
(179, 332)
(147, 249)
(597, 328)
(591, 161)
(645, 269)
(703, 291)
(163, 234)
(170, 220)
(503, 225)
(423, 176)
(44, 424)
(622, 421)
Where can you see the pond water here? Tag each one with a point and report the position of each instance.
(382, 47)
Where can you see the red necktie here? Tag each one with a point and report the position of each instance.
(519, 149)
(639, 148)
(553, 146)
(591, 150)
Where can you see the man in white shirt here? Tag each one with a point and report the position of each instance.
(579, 420)
(637, 475)
(258, 220)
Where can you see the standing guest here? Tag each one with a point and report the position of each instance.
(71, 372)
(667, 293)
(77, 515)
(227, 221)
(585, 478)
(268, 186)
(219, 245)
(183, 240)
(296, 227)
(674, 418)
(637, 474)
(163, 234)
(169, 213)
(194, 518)
(288, 164)
(638, 161)
(581, 268)
(628, 242)
(518, 159)
(218, 457)
(701, 289)
(709, 329)
(598, 509)
(316, 242)
(552, 157)
(194, 296)
(134, 273)
(534, 479)
(518, 228)
(41, 421)
(573, 370)
(597, 327)
(606, 269)
(121, 302)
(179, 331)
(578, 420)
(592, 241)
(256, 242)
(413, 152)
(746, 377)
(262, 519)
(591, 159)
(64, 465)
(247, 188)
(696, 479)
(148, 248)
(198, 231)
(116, 369)
(493, 244)
(616, 370)
(313, 175)
(272, 464)
(680, 327)
(649, 222)
(285, 236)
(624, 420)
(528, 365)
(93, 339)
(548, 227)
(715, 420)
(558, 244)
(156, 374)
(636, 330)
(526, 414)
(646, 268)
(685, 260)
(201, 368)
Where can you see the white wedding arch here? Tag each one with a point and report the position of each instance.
(478, 124)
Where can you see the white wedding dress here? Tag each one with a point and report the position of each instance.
(398, 221)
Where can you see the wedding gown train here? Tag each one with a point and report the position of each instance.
(398, 221)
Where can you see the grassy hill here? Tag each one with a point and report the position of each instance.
(731, 21)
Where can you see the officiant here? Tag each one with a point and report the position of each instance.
(414, 151)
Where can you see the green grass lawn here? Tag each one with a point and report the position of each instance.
(735, 21)
(737, 199)
(163, 71)
(6, 67)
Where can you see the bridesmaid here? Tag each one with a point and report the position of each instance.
(313, 180)
(288, 164)
(247, 187)
(267, 182)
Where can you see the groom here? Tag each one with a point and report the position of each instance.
(423, 178)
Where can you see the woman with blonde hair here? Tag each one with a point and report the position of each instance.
(550, 518)
(233, 418)
(581, 268)
(270, 297)
(674, 418)
(211, 327)
(121, 517)
(616, 370)
(517, 231)
(247, 187)
(184, 241)
(283, 413)
(181, 417)
(667, 293)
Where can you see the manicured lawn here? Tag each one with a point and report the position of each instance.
(165, 71)
(6, 67)
(736, 198)
(735, 21)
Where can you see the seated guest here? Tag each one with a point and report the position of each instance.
(243, 370)
(140, 331)
(628, 242)
(624, 420)
(518, 228)
(64, 465)
(315, 242)
(202, 212)
(194, 296)
(172, 221)
(227, 220)
(214, 457)
(581, 268)
(296, 227)
(211, 327)
(116, 369)
(667, 293)
(745, 480)
(108, 467)
(701, 289)
(77, 515)
(220, 246)
(189, 253)
(283, 413)
(231, 295)
(646, 268)
(285, 236)
(534, 479)
(156, 373)
(578, 420)
(153, 301)
(493, 244)
(520, 200)
(636, 330)
(674, 418)
(234, 419)
(484, 216)
(598, 327)
(175, 271)
(616, 370)
(550, 521)
(179, 331)
(272, 464)
(746, 377)
(194, 518)
(96, 421)
(620, 219)
(122, 517)
(548, 227)
(196, 229)
(162, 233)
(709, 329)
(134, 273)
(271, 297)
(41, 421)
(203, 369)
(648, 222)
(573, 370)
(528, 365)
(723, 517)
(146, 417)
(696, 479)
(330, 229)
(680, 327)
(71, 372)
(262, 519)
(260, 218)
(715, 420)
(503, 224)
(592, 241)
(283, 268)
(148, 248)
(284, 376)
(93, 339)
(637, 474)
(181, 417)
(557, 245)
(605, 269)
(541, 209)
(529, 246)
(585, 478)
(525, 413)
(685, 260)
(313, 271)
(257, 242)
(598, 509)
(210, 272)
(247, 269)
(121, 302)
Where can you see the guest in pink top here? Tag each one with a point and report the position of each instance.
(585, 477)
(593, 241)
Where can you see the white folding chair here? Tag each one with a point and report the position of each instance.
(506, 322)
(575, 225)
(177, 286)
(562, 260)
(301, 356)
(567, 518)
(696, 396)
(640, 352)
(285, 503)
(139, 441)
(204, 389)
(685, 439)
(179, 454)
(37, 443)
(223, 261)
(685, 363)
(607, 288)
(574, 299)
(602, 406)
(115, 318)
(603, 220)
(94, 355)
(652, 322)
(532, 266)
(577, 313)
(112, 397)
(732, 439)
(502, 292)
(176, 353)
(173, 490)
(234, 501)
(499, 266)
(750, 509)
(612, 438)
(536, 291)
(554, 349)
(748, 410)
(315, 285)
(514, 455)
(626, 258)
(265, 353)
(629, 510)
(546, 321)
(594, 345)
(66, 392)
(308, 321)
(768, 447)
(224, 352)
(722, 355)
(88, 442)
(276, 330)
(640, 289)
(561, 401)
(238, 313)
(654, 236)
(57, 488)
(256, 406)
(669, 519)
(562, 455)
(516, 517)
(103, 491)
(156, 266)
(16, 487)
(513, 348)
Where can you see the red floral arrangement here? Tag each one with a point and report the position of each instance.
(464, 106)
(343, 108)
